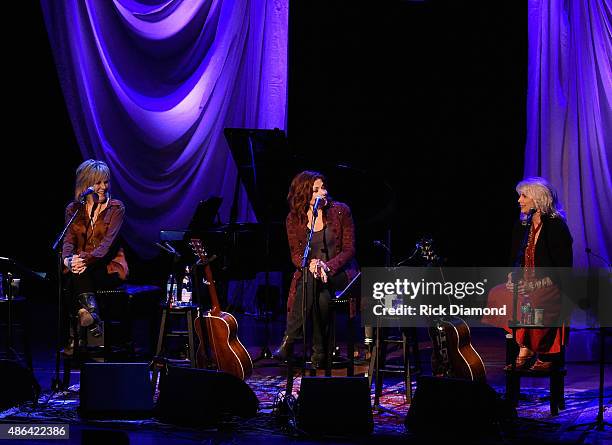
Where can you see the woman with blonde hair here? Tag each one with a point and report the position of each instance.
(91, 253)
(549, 245)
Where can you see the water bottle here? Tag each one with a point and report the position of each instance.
(171, 289)
(526, 312)
(187, 289)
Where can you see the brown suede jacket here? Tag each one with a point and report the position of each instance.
(103, 244)
(339, 220)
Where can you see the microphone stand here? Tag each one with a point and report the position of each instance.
(9, 296)
(56, 382)
(304, 269)
(599, 423)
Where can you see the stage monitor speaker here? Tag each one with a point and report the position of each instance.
(335, 406)
(17, 384)
(115, 391)
(201, 397)
(455, 407)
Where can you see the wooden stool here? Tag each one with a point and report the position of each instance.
(185, 312)
(378, 362)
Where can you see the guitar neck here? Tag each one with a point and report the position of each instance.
(212, 289)
(198, 249)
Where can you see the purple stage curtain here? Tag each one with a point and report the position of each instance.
(569, 114)
(151, 84)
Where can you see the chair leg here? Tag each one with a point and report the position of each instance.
(561, 389)
(380, 364)
(372, 365)
(350, 371)
(162, 330)
(67, 370)
(190, 339)
(331, 343)
(554, 394)
(407, 378)
(160, 346)
(513, 388)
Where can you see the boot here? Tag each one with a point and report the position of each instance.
(318, 356)
(88, 314)
(69, 348)
(285, 349)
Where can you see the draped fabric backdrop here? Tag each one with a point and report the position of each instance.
(151, 84)
(569, 112)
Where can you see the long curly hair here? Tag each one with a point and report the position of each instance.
(300, 194)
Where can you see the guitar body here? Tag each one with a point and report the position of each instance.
(453, 353)
(221, 328)
(228, 353)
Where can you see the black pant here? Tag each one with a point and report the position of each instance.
(318, 295)
(94, 278)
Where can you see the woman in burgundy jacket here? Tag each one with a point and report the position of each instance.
(331, 262)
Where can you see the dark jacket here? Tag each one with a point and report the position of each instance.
(554, 245)
(339, 220)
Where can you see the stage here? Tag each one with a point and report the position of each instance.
(534, 423)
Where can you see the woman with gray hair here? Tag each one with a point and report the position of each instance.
(549, 245)
(91, 253)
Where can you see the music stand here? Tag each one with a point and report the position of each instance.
(260, 154)
(206, 213)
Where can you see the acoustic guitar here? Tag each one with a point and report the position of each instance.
(452, 352)
(221, 327)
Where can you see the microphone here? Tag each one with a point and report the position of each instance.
(379, 243)
(88, 191)
(319, 201)
(526, 221)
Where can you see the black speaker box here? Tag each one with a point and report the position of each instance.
(17, 384)
(335, 406)
(455, 407)
(116, 390)
(201, 397)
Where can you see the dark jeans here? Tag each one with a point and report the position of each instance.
(94, 278)
(318, 295)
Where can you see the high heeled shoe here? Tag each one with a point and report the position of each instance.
(522, 362)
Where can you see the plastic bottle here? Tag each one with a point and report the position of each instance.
(526, 312)
(171, 289)
(186, 289)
